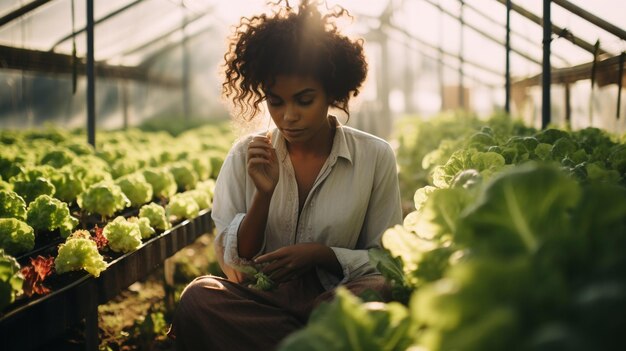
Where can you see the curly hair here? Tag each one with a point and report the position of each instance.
(304, 43)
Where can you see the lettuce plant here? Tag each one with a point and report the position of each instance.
(10, 279)
(105, 199)
(16, 237)
(79, 252)
(48, 213)
(12, 205)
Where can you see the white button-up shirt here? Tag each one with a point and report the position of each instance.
(354, 199)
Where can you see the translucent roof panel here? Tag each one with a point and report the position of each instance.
(48, 26)
(414, 53)
(432, 29)
(121, 25)
(39, 28)
(425, 21)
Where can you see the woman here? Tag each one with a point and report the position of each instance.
(303, 203)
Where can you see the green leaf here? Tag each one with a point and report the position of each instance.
(519, 208)
(10, 279)
(439, 215)
(388, 266)
(347, 324)
(404, 244)
(342, 324)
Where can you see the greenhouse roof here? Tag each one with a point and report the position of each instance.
(129, 31)
(465, 37)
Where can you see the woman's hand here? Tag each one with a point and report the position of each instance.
(290, 262)
(263, 164)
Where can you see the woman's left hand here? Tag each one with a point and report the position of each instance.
(290, 262)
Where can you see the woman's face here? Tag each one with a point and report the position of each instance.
(299, 108)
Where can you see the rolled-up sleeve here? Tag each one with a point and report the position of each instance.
(229, 206)
(354, 263)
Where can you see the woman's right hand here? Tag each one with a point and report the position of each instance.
(263, 164)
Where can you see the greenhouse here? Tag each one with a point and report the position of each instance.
(144, 144)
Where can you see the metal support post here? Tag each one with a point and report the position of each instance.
(91, 83)
(461, 86)
(546, 79)
(186, 74)
(507, 75)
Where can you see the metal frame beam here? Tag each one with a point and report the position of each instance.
(562, 32)
(167, 34)
(449, 66)
(526, 39)
(104, 18)
(607, 72)
(483, 33)
(22, 11)
(609, 27)
(56, 63)
(443, 52)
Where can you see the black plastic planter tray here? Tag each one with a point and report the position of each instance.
(29, 324)
(133, 266)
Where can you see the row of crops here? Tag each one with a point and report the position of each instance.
(517, 242)
(66, 207)
(514, 238)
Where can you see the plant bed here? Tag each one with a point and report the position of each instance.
(30, 322)
(138, 318)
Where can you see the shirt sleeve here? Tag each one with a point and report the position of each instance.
(229, 206)
(383, 211)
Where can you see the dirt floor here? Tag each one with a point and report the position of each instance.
(139, 317)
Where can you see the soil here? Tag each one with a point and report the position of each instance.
(139, 317)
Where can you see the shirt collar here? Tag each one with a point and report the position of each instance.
(340, 144)
(339, 149)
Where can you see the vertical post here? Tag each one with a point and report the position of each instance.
(594, 65)
(91, 320)
(383, 128)
(568, 106)
(461, 87)
(186, 76)
(91, 84)
(408, 79)
(507, 75)
(440, 60)
(91, 329)
(620, 83)
(547, 74)
(124, 94)
(169, 266)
